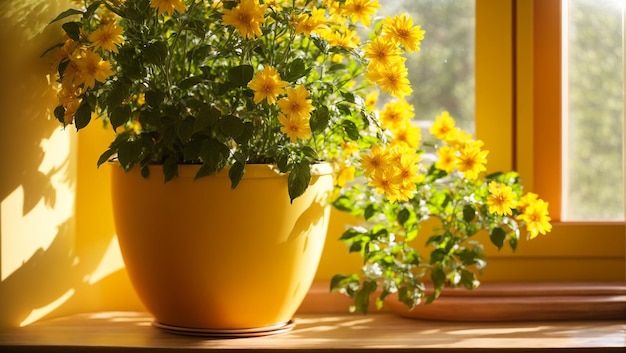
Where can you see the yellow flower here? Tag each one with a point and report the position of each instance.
(406, 170)
(382, 52)
(400, 29)
(168, 6)
(396, 113)
(294, 127)
(501, 199)
(346, 38)
(371, 99)
(247, 18)
(92, 68)
(296, 104)
(392, 79)
(378, 161)
(107, 37)
(274, 4)
(526, 201)
(70, 110)
(446, 159)
(349, 147)
(140, 99)
(408, 134)
(537, 218)
(310, 23)
(442, 126)
(384, 184)
(472, 160)
(360, 10)
(345, 175)
(267, 84)
(458, 138)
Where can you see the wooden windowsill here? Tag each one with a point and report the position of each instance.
(323, 324)
(133, 332)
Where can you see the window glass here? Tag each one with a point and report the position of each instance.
(442, 72)
(594, 108)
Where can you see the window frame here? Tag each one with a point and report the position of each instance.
(518, 116)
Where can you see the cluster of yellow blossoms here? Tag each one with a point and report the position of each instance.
(85, 64)
(394, 170)
(385, 67)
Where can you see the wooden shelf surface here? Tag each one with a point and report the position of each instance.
(381, 332)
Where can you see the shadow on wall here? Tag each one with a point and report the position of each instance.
(45, 270)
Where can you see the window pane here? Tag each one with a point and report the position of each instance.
(442, 72)
(593, 184)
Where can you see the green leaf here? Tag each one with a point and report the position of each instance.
(403, 215)
(309, 152)
(343, 203)
(104, 157)
(438, 277)
(239, 76)
(191, 151)
(355, 247)
(350, 234)
(118, 93)
(59, 114)
(184, 128)
(82, 117)
(145, 171)
(283, 163)
(214, 153)
(205, 170)
(350, 129)
(320, 43)
(72, 29)
(190, 82)
(170, 168)
(468, 213)
(497, 237)
(207, 117)
(319, 119)
(295, 70)
(119, 115)
(435, 240)
(336, 282)
(231, 126)
(154, 98)
(65, 14)
(236, 173)
(92, 9)
(408, 297)
(370, 211)
(156, 52)
(128, 154)
(246, 134)
(513, 243)
(298, 180)
(468, 279)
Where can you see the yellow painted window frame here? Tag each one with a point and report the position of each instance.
(518, 112)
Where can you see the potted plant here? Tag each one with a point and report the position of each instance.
(221, 96)
(435, 194)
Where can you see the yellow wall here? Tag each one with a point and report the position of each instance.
(38, 169)
(57, 248)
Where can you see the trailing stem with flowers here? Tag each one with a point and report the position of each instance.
(225, 83)
(438, 183)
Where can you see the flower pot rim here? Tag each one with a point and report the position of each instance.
(189, 170)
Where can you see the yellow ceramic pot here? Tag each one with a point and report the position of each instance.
(203, 256)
